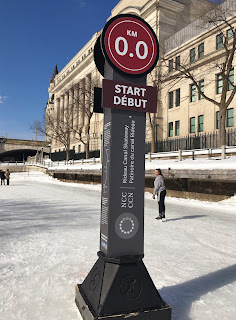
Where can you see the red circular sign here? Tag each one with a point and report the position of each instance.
(130, 45)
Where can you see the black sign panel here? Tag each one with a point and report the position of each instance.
(123, 183)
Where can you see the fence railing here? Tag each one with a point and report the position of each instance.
(60, 156)
(12, 163)
(51, 164)
(197, 141)
(180, 154)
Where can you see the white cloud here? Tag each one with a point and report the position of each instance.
(2, 98)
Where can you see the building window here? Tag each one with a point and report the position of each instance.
(177, 97)
(201, 51)
(200, 123)
(79, 148)
(231, 80)
(171, 68)
(192, 55)
(219, 83)
(230, 117)
(171, 129)
(201, 86)
(171, 99)
(177, 63)
(219, 41)
(192, 125)
(177, 128)
(230, 33)
(192, 93)
(217, 119)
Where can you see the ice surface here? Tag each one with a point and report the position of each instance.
(49, 237)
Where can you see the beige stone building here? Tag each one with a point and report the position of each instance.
(199, 49)
(185, 40)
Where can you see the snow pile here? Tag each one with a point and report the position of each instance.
(198, 164)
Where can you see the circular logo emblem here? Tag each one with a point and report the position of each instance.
(130, 287)
(126, 225)
(94, 279)
(130, 45)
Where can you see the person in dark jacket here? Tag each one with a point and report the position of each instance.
(2, 174)
(7, 176)
(160, 190)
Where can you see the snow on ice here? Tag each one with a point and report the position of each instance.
(49, 237)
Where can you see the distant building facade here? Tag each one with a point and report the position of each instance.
(181, 111)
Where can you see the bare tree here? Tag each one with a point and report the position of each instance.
(72, 122)
(219, 19)
(83, 102)
(155, 81)
(55, 129)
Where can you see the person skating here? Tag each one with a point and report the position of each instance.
(160, 190)
(2, 174)
(7, 176)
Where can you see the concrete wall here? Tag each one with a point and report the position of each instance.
(205, 186)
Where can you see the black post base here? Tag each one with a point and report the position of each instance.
(120, 288)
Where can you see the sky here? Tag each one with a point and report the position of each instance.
(35, 35)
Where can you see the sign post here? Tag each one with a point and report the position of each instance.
(119, 284)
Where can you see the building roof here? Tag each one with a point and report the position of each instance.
(55, 72)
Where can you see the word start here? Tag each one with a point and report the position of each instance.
(131, 96)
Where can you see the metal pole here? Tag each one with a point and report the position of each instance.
(223, 152)
(180, 155)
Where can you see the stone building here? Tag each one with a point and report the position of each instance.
(185, 39)
(199, 48)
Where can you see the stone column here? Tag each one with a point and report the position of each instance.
(56, 119)
(87, 98)
(76, 106)
(82, 103)
(61, 110)
(71, 111)
(87, 110)
(66, 106)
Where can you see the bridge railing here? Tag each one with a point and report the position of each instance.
(12, 163)
(48, 163)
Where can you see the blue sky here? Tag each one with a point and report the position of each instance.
(35, 35)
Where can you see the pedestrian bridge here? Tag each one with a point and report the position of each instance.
(19, 150)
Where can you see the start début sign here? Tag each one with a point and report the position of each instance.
(129, 96)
